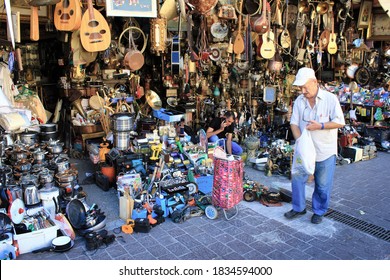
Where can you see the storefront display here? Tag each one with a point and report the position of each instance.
(135, 95)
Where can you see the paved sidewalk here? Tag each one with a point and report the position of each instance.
(361, 190)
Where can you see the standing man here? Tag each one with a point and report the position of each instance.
(318, 111)
(223, 128)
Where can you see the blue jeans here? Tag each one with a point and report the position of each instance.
(323, 180)
(236, 149)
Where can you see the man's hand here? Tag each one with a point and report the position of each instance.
(223, 125)
(313, 125)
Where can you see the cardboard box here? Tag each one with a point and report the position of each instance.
(28, 242)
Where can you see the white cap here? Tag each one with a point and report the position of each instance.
(304, 74)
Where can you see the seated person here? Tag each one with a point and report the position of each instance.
(223, 128)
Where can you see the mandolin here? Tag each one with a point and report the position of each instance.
(332, 45)
(239, 45)
(285, 40)
(95, 34)
(67, 15)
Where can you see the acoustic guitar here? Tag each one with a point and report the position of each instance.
(267, 49)
(95, 34)
(67, 15)
(332, 45)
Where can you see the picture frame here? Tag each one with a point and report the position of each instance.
(365, 14)
(25, 11)
(379, 26)
(131, 8)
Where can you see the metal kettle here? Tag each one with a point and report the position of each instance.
(31, 195)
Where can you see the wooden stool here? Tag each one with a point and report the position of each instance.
(91, 136)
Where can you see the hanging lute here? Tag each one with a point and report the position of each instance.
(95, 34)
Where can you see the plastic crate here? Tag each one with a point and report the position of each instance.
(168, 115)
(28, 242)
(205, 183)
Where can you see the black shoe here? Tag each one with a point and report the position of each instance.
(292, 214)
(316, 219)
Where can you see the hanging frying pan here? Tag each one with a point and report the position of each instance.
(59, 244)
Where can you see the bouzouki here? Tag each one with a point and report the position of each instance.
(285, 40)
(310, 43)
(67, 15)
(95, 33)
(239, 45)
(260, 25)
(267, 49)
(34, 24)
(332, 45)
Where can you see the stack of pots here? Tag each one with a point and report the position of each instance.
(121, 125)
(48, 132)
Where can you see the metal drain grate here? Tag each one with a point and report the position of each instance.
(351, 221)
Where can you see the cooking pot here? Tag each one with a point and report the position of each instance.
(47, 136)
(31, 195)
(122, 122)
(66, 177)
(29, 179)
(23, 165)
(59, 244)
(55, 148)
(62, 164)
(121, 140)
(39, 155)
(45, 176)
(28, 137)
(48, 128)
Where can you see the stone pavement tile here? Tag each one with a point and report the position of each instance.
(169, 256)
(188, 240)
(146, 239)
(177, 249)
(262, 247)
(233, 256)
(238, 246)
(157, 250)
(82, 258)
(298, 244)
(342, 253)
(277, 255)
(134, 247)
(175, 232)
(143, 256)
(205, 239)
(115, 250)
(318, 254)
(166, 239)
(303, 236)
(238, 223)
(224, 238)
(100, 255)
(126, 256)
(246, 237)
(256, 219)
(219, 248)
(268, 226)
(322, 245)
(77, 252)
(296, 254)
(202, 253)
(234, 231)
(212, 229)
(194, 230)
(254, 255)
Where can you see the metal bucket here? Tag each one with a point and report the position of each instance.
(122, 122)
(121, 140)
